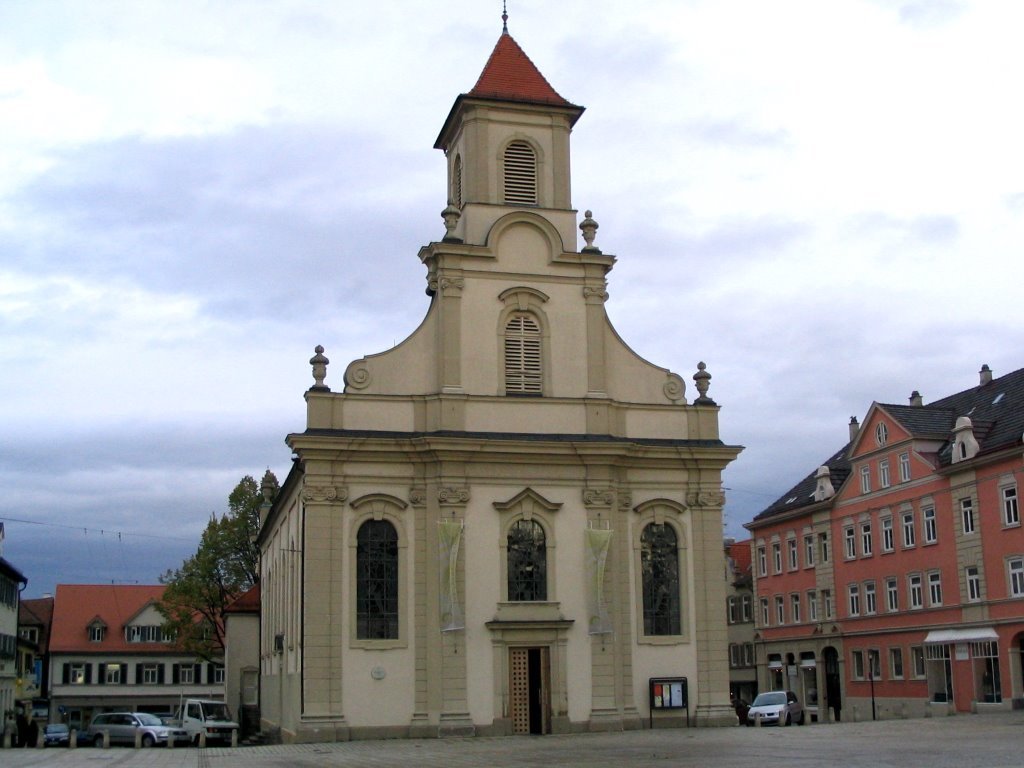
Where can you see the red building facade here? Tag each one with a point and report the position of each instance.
(890, 581)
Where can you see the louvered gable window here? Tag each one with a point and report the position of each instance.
(523, 374)
(520, 174)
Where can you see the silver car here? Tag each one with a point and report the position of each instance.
(776, 708)
(122, 727)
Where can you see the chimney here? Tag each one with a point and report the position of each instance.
(984, 375)
(854, 427)
(915, 399)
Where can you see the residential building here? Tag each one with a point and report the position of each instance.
(509, 522)
(242, 659)
(108, 651)
(11, 583)
(912, 603)
(739, 614)
(35, 616)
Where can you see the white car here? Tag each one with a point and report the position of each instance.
(776, 708)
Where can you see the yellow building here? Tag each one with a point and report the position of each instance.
(510, 522)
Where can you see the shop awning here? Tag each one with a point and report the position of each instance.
(971, 635)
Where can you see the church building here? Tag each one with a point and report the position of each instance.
(509, 522)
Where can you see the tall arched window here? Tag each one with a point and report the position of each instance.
(659, 563)
(457, 182)
(523, 373)
(520, 174)
(527, 562)
(377, 581)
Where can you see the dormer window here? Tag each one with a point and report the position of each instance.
(520, 163)
(96, 633)
(881, 433)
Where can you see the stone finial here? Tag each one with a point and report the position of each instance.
(319, 363)
(984, 375)
(451, 216)
(965, 444)
(268, 486)
(915, 399)
(823, 484)
(702, 380)
(589, 228)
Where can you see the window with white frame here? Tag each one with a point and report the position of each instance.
(748, 654)
(881, 433)
(766, 618)
(97, 633)
(150, 674)
(973, 579)
(916, 591)
(934, 588)
(77, 674)
(808, 551)
(967, 515)
(762, 561)
(917, 662)
(780, 610)
(892, 594)
(794, 558)
(186, 674)
(113, 674)
(931, 534)
(883, 474)
(1011, 512)
(747, 608)
(826, 603)
(794, 608)
(732, 610)
(1015, 566)
(735, 654)
(865, 479)
(849, 542)
(218, 674)
(909, 532)
(904, 467)
(896, 663)
(888, 539)
(857, 657)
(854, 599)
(875, 664)
(870, 603)
(812, 605)
(823, 542)
(777, 556)
(865, 539)
(985, 657)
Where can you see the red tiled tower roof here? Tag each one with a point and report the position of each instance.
(509, 75)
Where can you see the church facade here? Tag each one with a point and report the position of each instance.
(510, 522)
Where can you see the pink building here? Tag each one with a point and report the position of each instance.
(890, 581)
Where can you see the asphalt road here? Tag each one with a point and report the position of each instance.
(964, 741)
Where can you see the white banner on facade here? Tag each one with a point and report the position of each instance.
(449, 536)
(598, 541)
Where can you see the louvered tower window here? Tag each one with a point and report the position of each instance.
(457, 182)
(523, 374)
(520, 174)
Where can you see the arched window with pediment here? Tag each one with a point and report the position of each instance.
(659, 564)
(527, 562)
(377, 581)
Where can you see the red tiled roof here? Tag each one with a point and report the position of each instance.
(510, 75)
(247, 603)
(76, 605)
(740, 553)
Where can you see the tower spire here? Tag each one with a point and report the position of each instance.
(504, 17)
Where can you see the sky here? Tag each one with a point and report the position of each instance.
(822, 201)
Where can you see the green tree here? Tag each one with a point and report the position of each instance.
(225, 565)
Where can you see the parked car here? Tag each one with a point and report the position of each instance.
(776, 708)
(122, 727)
(56, 735)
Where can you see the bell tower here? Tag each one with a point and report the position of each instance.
(507, 146)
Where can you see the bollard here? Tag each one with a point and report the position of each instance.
(106, 739)
(41, 740)
(73, 739)
(202, 739)
(757, 720)
(170, 741)
(138, 739)
(7, 739)
(234, 737)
